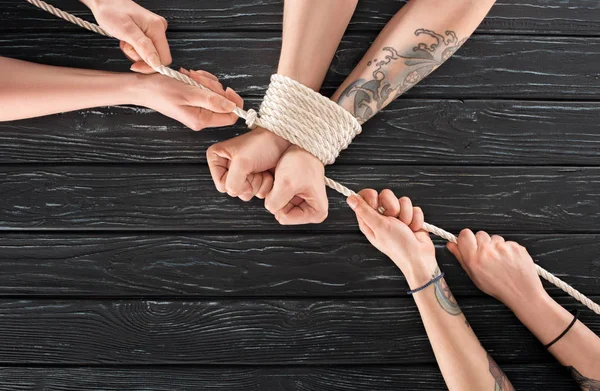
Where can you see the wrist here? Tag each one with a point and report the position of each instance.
(420, 272)
(135, 89)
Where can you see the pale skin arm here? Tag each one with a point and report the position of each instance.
(242, 166)
(414, 43)
(31, 90)
(506, 271)
(464, 363)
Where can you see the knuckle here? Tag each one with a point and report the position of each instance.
(144, 41)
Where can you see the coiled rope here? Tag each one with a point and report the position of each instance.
(311, 121)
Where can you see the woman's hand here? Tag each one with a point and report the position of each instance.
(192, 106)
(142, 32)
(240, 166)
(501, 269)
(298, 195)
(397, 233)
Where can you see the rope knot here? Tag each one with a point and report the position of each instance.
(251, 116)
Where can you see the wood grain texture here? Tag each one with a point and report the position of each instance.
(299, 265)
(487, 66)
(378, 331)
(163, 197)
(547, 17)
(549, 376)
(409, 131)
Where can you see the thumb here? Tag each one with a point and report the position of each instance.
(142, 44)
(363, 210)
(453, 248)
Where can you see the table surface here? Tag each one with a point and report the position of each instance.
(123, 268)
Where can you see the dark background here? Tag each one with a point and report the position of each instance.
(121, 267)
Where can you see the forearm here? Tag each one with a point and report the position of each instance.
(30, 90)
(578, 349)
(312, 31)
(464, 363)
(415, 42)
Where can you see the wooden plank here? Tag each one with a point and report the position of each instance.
(300, 265)
(413, 131)
(163, 197)
(486, 67)
(545, 17)
(380, 331)
(546, 376)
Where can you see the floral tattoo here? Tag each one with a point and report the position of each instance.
(396, 73)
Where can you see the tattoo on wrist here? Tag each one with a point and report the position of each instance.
(585, 383)
(444, 295)
(501, 381)
(397, 73)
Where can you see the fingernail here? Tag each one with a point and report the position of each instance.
(154, 60)
(352, 202)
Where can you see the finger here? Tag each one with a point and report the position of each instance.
(157, 33)
(467, 244)
(142, 67)
(279, 196)
(390, 203)
(214, 85)
(482, 238)
(218, 164)
(363, 210)
(197, 118)
(406, 210)
(497, 239)
(234, 97)
(237, 178)
(255, 180)
(209, 100)
(129, 51)
(142, 44)
(266, 185)
(417, 219)
(295, 214)
(208, 75)
(453, 247)
(371, 197)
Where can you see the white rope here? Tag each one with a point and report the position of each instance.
(307, 119)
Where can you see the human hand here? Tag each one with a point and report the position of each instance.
(501, 269)
(397, 233)
(194, 107)
(142, 32)
(298, 195)
(240, 166)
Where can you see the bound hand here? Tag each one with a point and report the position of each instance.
(298, 195)
(192, 106)
(397, 233)
(501, 269)
(142, 32)
(240, 166)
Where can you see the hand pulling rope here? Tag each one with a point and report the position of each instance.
(308, 119)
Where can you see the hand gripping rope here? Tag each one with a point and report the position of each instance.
(311, 121)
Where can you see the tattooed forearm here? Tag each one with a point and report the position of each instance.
(585, 383)
(444, 296)
(501, 381)
(396, 73)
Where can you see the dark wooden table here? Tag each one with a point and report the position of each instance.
(123, 268)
